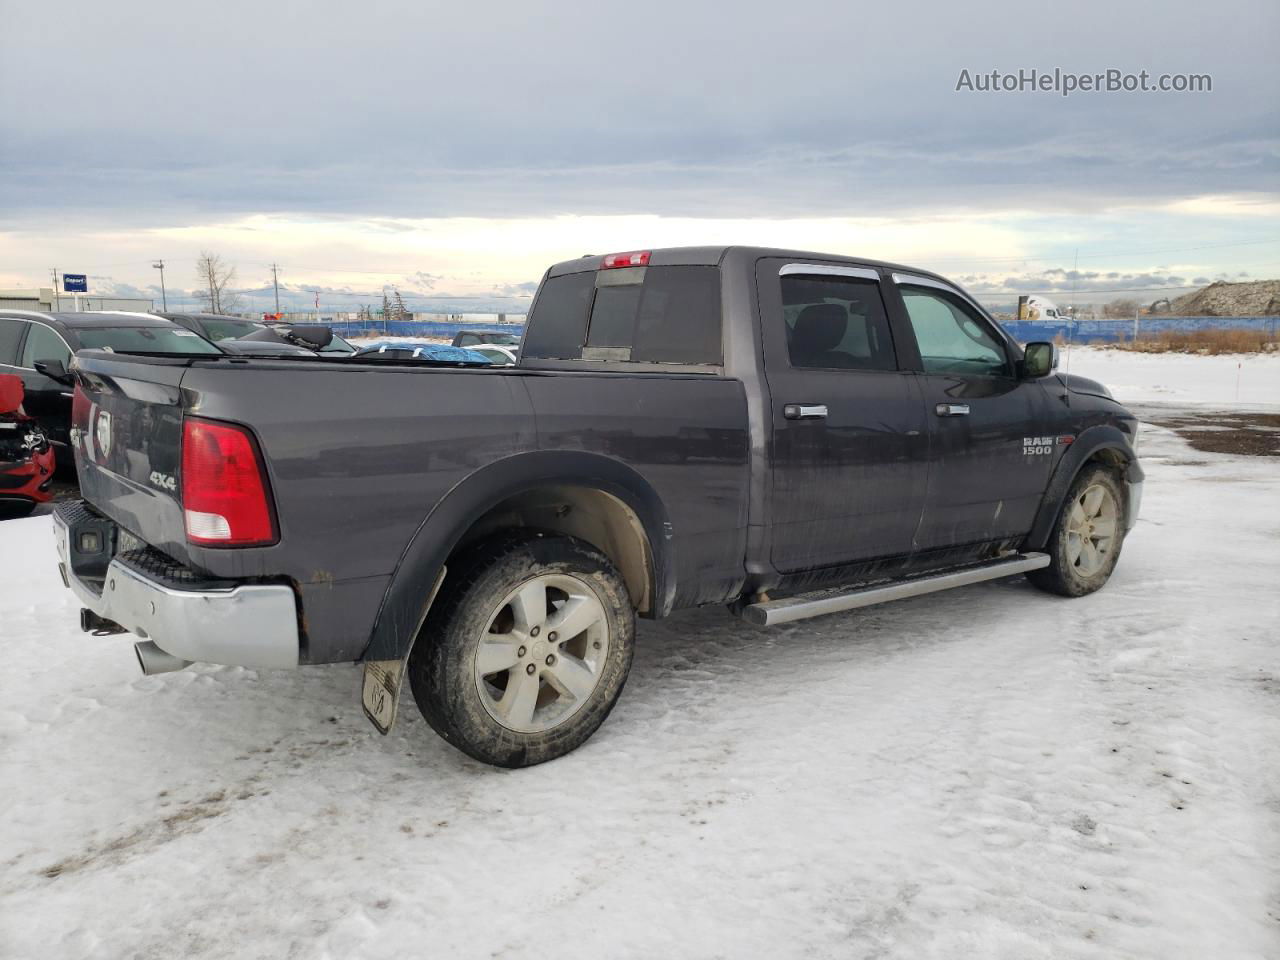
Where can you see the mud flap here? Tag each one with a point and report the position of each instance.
(381, 693)
(384, 679)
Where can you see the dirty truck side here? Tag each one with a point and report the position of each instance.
(787, 433)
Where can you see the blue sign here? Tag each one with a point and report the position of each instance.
(75, 283)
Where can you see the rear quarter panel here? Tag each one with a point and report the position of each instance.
(687, 437)
(356, 457)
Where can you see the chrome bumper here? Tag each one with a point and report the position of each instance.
(254, 625)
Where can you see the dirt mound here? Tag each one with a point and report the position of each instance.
(1255, 298)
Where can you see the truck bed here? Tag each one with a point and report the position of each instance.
(359, 455)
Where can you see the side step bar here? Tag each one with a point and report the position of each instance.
(807, 605)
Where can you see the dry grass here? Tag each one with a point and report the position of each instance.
(1207, 342)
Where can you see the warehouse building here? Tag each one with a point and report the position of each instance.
(48, 300)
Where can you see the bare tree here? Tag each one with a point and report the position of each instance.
(215, 277)
(1121, 308)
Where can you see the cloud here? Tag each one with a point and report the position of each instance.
(681, 112)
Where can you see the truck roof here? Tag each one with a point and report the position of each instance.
(716, 255)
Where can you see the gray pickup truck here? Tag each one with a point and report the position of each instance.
(787, 433)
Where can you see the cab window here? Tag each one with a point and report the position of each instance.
(952, 336)
(836, 323)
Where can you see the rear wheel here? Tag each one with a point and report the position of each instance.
(526, 650)
(1086, 540)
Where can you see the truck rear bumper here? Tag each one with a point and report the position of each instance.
(248, 625)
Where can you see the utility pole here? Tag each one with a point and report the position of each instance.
(56, 303)
(275, 280)
(164, 300)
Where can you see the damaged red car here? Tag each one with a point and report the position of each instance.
(26, 456)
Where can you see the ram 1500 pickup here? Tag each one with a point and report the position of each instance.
(787, 433)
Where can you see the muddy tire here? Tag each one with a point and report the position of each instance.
(526, 649)
(1086, 539)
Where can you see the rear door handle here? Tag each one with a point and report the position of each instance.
(805, 411)
(952, 409)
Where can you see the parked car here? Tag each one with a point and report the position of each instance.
(788, 433)
(420, 350)
(497, 354)
(472, 338)
(26, 456)
(38, 348)
(215, 327)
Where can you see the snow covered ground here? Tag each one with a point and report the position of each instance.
(990, 772)
(1230, 380)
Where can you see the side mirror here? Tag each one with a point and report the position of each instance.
(55, 370)
(1039, 359)
(317, 338)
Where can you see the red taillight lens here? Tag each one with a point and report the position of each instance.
(224, 492)
(639, 258)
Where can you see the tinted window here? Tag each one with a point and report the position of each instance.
(836, 323)
(651, 314)
(467, 339)
(613, 316)
(145, 340)
(558, 324)
(679, 319)
(952, 336)
(10, 334)
(43, 344)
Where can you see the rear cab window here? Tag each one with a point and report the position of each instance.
(642, 315)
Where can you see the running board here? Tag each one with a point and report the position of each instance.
(806, 605)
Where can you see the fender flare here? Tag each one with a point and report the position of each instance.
(409, 593)
(1089, 442)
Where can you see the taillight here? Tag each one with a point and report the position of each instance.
(224, 491)
(640, 258)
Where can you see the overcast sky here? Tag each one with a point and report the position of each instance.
(459, 148)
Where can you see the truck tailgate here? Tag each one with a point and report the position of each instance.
(126, 432)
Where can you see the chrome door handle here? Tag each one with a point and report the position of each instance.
(805, 411)
(952, 409)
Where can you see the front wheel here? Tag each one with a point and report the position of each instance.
(1085, 543)
(526, 650)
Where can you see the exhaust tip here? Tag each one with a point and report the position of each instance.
(153, 660)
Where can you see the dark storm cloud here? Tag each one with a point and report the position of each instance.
(160, 113)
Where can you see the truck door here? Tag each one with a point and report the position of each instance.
(849, 438)
(991, 448)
